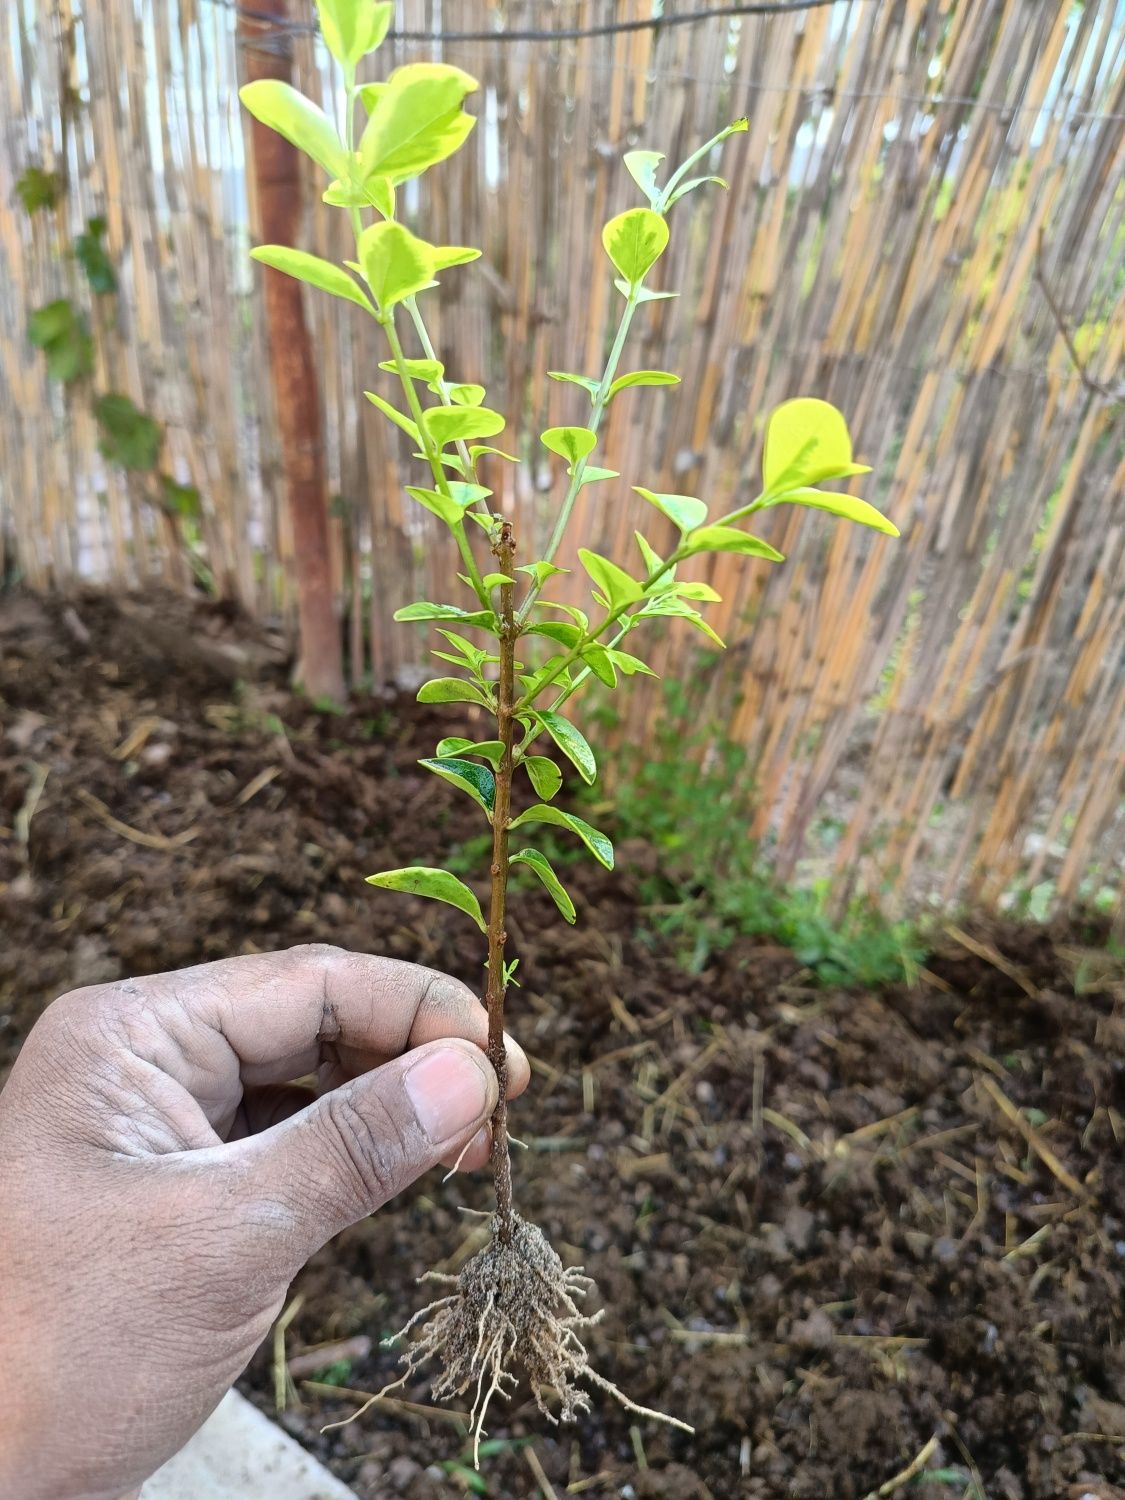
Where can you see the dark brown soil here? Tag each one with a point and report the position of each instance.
(818, 1235)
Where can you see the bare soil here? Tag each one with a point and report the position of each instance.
(826, 1226)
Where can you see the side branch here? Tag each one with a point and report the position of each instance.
(504, 550)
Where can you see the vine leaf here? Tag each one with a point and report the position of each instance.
(438, 885)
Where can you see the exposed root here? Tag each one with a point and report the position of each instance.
(513, 1304)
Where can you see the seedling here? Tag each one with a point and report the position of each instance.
(516, 654)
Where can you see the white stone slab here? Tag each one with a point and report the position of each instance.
(239, 1454)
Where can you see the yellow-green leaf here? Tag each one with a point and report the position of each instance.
(684, 511)
(730, 539)
(571, 443)
(614, 582)
(313, 270)
(396, 263)
(847, 506)
(353, 28)
(416, 121)
(304, 124)
(806, 441)
(635, 241)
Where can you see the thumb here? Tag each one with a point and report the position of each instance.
(364, 1142)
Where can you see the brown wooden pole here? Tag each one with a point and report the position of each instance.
(267, 53)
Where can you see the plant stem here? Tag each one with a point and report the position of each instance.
(504, 549)
(600, 399)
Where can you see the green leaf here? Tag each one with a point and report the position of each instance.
(643, 377)
(443, 506)
(478, 781)
(806, 441)
(700, 593)
(313, 270)
(629, 665)
(635, 241)
(730, 539)
(478, 451)
(423, 610)
(37, 189)
(598, 660)
(400, 419)
(453, 690)
(571, 443)
(691, 185)
(653, 561)
(447, 424)
(535, 861)
(614, 582)
(641, 167)
(847, 506)
(63, 334)
(396, 263)
(591, 474)
(571, 741)
(571, 611)
(90, 253)
(642, 293)
(684, 511)
(544, 775)
(591, 387)
(304, 124)
(541, 571)
(472, 655)
(416, 121)
(429, 371)
(376, 192)
(556, 630)
(490, 750)
(127, 435)
(353, 28)
(454, 255)
(438, 885)
(597, 843)
(466, 394)
(678, 609)
(181, 499)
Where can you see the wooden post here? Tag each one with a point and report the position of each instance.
(267, 50)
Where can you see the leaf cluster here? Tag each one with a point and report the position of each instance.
(394, 130)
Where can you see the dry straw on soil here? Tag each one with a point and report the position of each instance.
(924, 226)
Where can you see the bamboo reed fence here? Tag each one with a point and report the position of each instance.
(926, 225)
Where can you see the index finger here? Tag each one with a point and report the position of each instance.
(269, 1017)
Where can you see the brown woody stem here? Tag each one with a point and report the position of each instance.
(504, 549)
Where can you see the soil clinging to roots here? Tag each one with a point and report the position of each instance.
(512, 1305)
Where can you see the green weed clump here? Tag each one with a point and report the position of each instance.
(689, 793)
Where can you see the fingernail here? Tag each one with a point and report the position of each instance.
(450, 1091)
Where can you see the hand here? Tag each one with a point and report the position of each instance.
(162, 1180)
